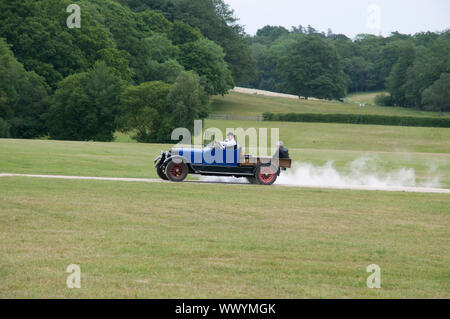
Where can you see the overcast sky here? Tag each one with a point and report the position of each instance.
(349, 17)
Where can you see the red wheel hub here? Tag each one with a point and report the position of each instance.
(177, 170)
(266, 174)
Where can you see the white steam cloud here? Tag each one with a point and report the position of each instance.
(362, 172)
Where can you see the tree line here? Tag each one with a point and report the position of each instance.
(414, 69)
(146, 67)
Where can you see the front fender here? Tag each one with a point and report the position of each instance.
(177, 159)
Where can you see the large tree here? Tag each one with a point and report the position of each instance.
(85, 105)
(437, 96)
(144, 111)
(397, 79)
(22, 97)
(312, 68)
(207, 59)
(152, 110)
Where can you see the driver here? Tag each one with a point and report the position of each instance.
(229, 141)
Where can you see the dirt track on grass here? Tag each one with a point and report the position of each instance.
(232, 181)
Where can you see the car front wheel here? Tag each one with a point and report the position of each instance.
(176, 172)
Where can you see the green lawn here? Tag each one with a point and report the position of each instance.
(240, 104)
(167, 240)
(136, 160)
(351, 136)
(138, 240)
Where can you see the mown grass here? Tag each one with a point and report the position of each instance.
(144, 240)
(252, 105)
(139, 240)
(136, 160)
(351, 136)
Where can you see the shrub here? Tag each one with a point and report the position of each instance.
(383, 100)
(359, 119)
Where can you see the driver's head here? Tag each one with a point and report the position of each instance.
(230, 136)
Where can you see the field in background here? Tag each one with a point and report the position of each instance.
(308, 143)
(351, 136)
(166, 240)
(367, 98)
(239, 104)
(139, 240)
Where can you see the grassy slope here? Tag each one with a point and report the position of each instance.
(136, 160)
(251, 105)
(180, 240)
(367, 98)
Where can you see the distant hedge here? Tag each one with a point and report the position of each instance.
(358, 119)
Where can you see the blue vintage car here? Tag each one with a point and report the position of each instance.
(213, 160)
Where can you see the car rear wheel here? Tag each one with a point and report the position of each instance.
(176, 172)
(161, 173)
(266, 175)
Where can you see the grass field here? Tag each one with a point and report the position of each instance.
(367, 98)
(136, 160)
(253, 105)
(135, 240)
(351, 137)
(165, 240)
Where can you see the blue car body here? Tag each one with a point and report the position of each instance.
(209, 156)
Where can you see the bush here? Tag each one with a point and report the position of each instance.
(268, 116)
(383, 100)
(359, 119)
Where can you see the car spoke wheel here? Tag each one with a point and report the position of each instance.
(176, 172)
(266, 175)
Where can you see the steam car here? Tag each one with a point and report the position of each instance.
(214, 160)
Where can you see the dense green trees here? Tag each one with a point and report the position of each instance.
(216, 21)
(207, 59)
(312, 68)
(85, 105)
(144, 110)
(398, 76)
(188, 100)
(404, 65)
(153, 109)
(437, 96)
(22, 98)
(43, 43)
(119, 44)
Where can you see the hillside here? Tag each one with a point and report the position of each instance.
(240, 104)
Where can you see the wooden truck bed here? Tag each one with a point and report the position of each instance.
(249, 160)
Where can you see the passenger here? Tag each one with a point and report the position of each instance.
(282, 152)
(229, 142)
